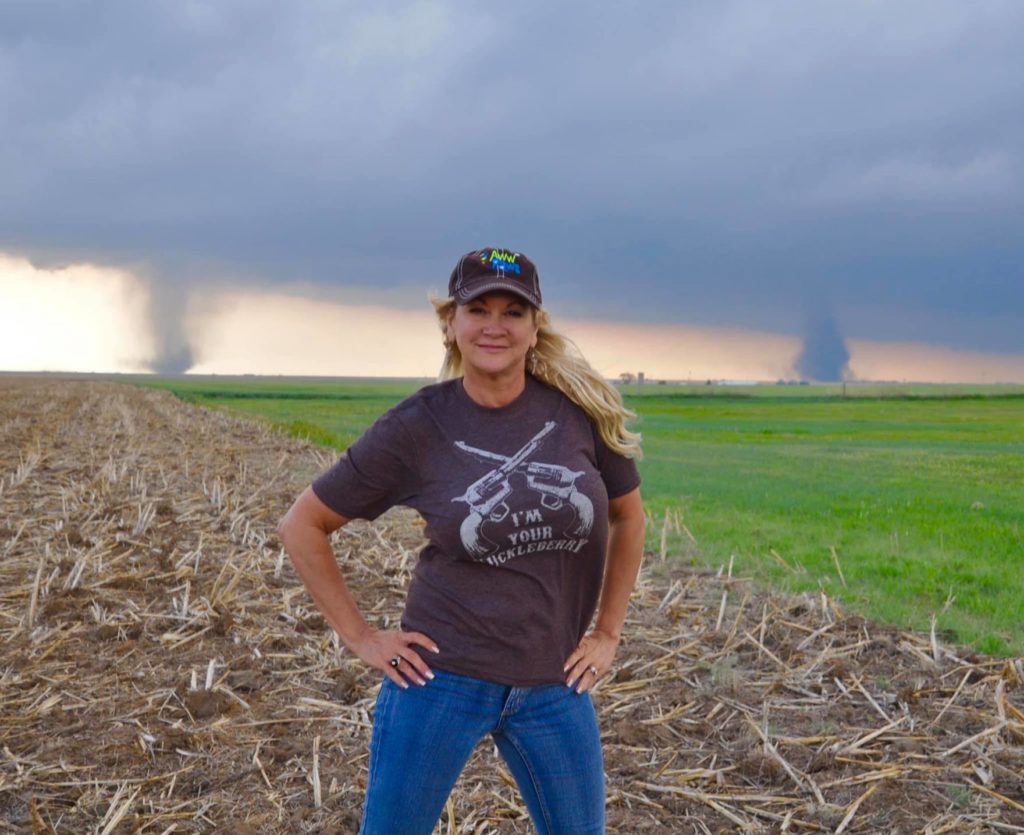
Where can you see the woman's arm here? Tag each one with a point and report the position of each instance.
(304, 532)
(626, 524)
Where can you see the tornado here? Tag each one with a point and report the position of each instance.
(167, 308)
(824, 356)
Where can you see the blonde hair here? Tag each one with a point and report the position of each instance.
(558, 362)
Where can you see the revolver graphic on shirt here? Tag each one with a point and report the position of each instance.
(555, 483)
(486, 496)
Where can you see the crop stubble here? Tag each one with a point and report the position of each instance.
(163, 671)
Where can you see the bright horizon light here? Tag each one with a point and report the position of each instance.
(79, 318)
(83, 318)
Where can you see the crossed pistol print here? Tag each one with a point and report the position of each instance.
(486, 496)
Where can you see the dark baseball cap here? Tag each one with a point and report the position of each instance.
(491, 268)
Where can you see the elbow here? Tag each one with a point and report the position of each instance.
(306, 523)
(285, 527)
(290, 536)
(636, 522)
(297, 529)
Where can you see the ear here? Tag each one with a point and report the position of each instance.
(449, 331)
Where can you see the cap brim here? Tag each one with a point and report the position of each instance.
(467, 294)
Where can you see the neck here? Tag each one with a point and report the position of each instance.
(494, 392)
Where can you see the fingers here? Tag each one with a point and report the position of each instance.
(577, 656)
(404, 661)
(584, 675)
(399, 667)
(391, 673)
(589, 661)
(403, 668)
(572, 659)
(411, 665)
(422, 640)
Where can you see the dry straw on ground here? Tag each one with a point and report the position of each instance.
(162, 670)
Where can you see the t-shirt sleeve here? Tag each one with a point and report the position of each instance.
(620, 474)
(375, 473)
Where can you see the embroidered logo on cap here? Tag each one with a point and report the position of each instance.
(501, 260)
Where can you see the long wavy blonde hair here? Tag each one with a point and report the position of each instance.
(558, 362)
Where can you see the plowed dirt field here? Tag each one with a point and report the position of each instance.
(162, 670)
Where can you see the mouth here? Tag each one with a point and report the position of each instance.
(492, 348)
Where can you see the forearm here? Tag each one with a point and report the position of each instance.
(311, 554)
(625, 551)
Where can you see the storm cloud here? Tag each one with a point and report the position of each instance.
(663, 162)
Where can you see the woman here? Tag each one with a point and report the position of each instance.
(522, 467)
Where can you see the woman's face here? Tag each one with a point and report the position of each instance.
(494, 332)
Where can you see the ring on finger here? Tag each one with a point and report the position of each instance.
(592, 669)
(396, 661)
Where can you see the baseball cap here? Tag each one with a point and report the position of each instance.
(492, 268)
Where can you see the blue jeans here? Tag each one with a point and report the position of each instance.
(423, 736)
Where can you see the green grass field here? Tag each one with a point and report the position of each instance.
(919, 489)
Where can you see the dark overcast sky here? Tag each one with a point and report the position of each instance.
(751, 163)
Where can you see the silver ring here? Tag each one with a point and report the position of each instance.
(396, 661)
(592, 669)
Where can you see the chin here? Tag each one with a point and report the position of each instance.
(505, 367)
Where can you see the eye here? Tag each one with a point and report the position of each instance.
(515, 313)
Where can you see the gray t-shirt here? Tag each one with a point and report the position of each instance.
(516, 505)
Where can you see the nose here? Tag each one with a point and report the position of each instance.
(493, 324)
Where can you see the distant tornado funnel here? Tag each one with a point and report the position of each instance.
(167, 308)
(824, 356)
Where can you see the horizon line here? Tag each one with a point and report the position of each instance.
(646, 383)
